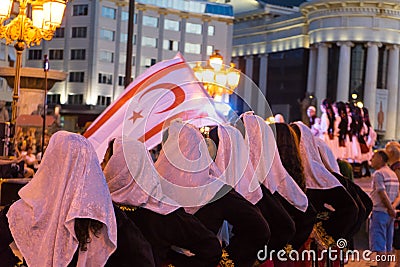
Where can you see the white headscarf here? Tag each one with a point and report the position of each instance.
(317, 176)
(68, 185)
(327, 156)
(264, 152)
(132, 178)
(187, 168)
(233, 159)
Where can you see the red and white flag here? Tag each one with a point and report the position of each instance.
(166, 91)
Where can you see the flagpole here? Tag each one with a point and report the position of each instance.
(46, 67)
(129, 45)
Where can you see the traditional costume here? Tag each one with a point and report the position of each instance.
(42, 222)
(324, 191)
(362, 199)
(135, 187)
(185, 162)
(280, 192)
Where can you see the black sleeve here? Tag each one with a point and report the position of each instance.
(7, 257)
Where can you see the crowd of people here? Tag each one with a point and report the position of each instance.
(234, 188)
(347, 130)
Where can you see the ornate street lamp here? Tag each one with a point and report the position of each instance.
(36, 20)
(216, 77)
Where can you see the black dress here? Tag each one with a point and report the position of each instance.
(132, 248)
(7, 257)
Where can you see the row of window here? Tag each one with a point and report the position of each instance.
(79, 76)
(107, 56)
(57, 54)
(173, 25)
(81, 32)
(77, 99)
(76, 32)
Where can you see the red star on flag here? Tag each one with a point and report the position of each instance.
(135, 116)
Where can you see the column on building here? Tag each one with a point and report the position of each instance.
(206, 20)
(183, 34)
(392, 86)
(343, 83)
(398, 108)
(66, 67)
(371, 76)
(233, 99)
(93, 51)
(117, 51)
(248, 83)
(261, 100)
(312, 70)
(139, 33)
(322, 72)
(160, 44)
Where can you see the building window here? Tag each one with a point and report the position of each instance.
(192, 48)
(171, 25)
(148, 62)
(383, 67)
(122, 59)
(108, 12)
(78, 54)
(107, 35)
(150, 21)
(56, 54)
(121, 80)
(79, 32)
(76, 77)
(59, 33)
(124, 16)
(103, 100)
(210, 49)
(53, 98)
(193, 28)
(211, 30)
(148, 41)
(75, 99)
(2, 51)
(357, 69)
(105, 78)
(106, 56)
(124, 38)
(170, 45)
(34, 54)
(80, 10)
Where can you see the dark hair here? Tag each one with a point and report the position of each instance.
(366, 117)
(297, 131)
(366, 120)
(288, 147)
(331, 116)
(343, 122)
(383, 155)
(356, 121)
(110, 147)
(82, 226)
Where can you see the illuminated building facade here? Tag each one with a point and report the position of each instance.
(91, 47)
(331, 49)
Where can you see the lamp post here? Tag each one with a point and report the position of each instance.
(217, 78)
(36, 20)
(46, 67)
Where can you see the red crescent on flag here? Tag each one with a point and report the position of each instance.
(108, 113)
(158, 128)
(178, 92)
